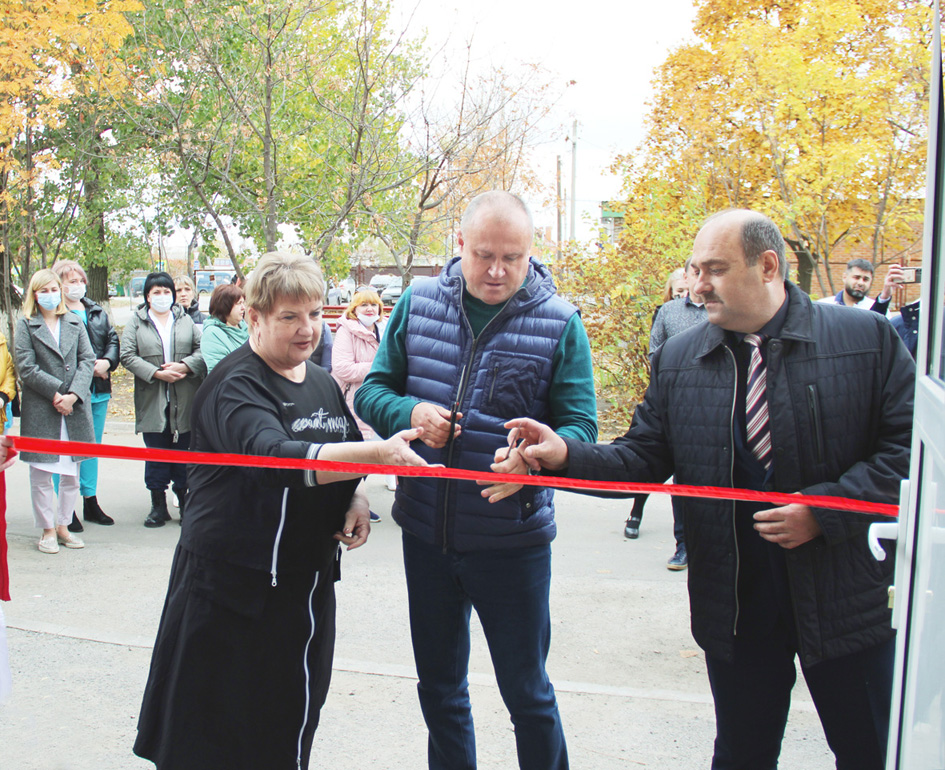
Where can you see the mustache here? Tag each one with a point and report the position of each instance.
(710, 297)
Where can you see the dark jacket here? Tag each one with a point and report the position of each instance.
(906, 325)
(104, 341)
(277, 520)
(840, 387)
(196, 315)
(505, 372)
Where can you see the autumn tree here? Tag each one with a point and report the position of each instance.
(275, 114)
(464, 136)
(53, 57)
(811, 111)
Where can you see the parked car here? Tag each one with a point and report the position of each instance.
(392, 292)
(207, 279)
(379, 282)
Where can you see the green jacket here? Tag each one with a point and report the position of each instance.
(142, 354)
(219, 339)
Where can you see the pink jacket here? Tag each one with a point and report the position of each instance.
(351, 357)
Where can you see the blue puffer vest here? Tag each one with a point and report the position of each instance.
(505, 372)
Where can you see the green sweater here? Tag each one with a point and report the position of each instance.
(573, 401)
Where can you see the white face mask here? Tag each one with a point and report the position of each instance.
(161, 302)
(367, 320)
(49, 300)
(75, 291)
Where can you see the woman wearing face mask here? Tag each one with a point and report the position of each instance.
(161, 347)
(355, 345)
(104, 340)
(225, 330)
(187, 299)
(55, 362)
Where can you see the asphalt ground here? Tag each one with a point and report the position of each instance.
(631, 682)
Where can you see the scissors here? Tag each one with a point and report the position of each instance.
(514, 442)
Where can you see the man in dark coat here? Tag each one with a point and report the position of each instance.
(780, 394)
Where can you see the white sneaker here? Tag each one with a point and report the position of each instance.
(48, 544)
(392, 483)
(174, 501)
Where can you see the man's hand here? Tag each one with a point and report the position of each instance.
(357, 525)
(508, 459)
(546, 449)
(788, 526)
(435, 421)
(894, 278)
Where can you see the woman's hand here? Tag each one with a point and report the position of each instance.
(7, 453)
(357, 525)
(64, 403)
(172, 372)
(396, 450)
(100, 370)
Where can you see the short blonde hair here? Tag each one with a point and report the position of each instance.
(38, 281)
(185, 279)
(63, 267)
(364, 297)
(283, 274)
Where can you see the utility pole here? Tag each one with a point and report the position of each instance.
(559, 209)
(573, 177)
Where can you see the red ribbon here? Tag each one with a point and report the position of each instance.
(111, 451)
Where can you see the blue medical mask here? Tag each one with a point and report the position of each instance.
(161, 302)
(49, 300)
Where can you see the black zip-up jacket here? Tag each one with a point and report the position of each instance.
(104, 341)
(840, 393)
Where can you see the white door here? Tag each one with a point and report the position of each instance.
(917, 728)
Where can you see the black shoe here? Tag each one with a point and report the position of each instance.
(75, 525)
(92, 512)
(374, 518)
(181, 502)
(158, 514)
(632, 530)
(680, 559)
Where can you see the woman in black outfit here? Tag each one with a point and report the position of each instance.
(242, 660)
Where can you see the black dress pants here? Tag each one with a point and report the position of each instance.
(752, 696)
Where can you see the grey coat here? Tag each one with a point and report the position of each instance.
(46, 369)
(142, 354)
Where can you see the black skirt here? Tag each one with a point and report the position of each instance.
(240, 668)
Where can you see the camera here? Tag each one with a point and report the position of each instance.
(912, 275)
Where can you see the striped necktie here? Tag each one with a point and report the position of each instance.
(756, 403)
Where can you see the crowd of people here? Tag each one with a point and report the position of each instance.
(486, 368)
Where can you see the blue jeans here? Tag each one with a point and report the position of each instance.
(509, 590)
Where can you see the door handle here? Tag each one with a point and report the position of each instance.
(887, 530)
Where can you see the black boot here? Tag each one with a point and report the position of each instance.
(92, 512)
(181, 493)
(75, 525)
(158, 514)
